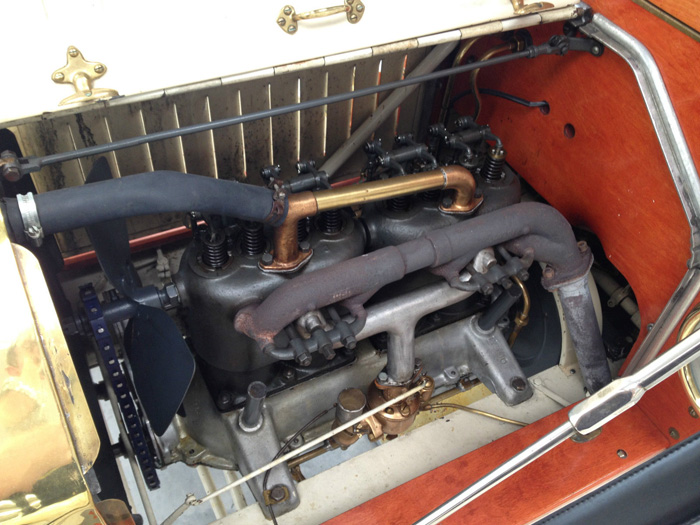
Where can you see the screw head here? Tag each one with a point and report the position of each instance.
(650, 326)
(353, 18)
(692, 412)
(287, 10)
(59, 76)
(595, 50)
(99, 68)
(621, 454)
(674, 433)
(292, 29)
(548, 272)
(88, 93)
(288, 373)
(281, 21)
(359, 8)
(72, 51)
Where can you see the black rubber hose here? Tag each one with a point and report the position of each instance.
(147, 194)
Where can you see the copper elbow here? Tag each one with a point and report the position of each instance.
(462, 182)
(287, 255)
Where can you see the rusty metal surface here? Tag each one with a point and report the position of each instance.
(527, 228)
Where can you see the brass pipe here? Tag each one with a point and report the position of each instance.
(472, 79)
(288, 257)
(688, 326)
(451, 80)
(311, 454)
(435, 406)
(523, 316)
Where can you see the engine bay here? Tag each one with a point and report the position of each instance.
(307, 308)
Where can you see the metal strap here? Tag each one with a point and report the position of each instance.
(30, 218)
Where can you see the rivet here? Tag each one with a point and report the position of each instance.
(674, 433)
(621, 454)
(59, 76)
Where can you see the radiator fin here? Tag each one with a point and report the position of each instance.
(237, 152)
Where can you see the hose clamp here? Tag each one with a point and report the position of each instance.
(30, 218)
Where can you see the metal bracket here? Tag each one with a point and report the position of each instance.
(519, 7)
(82, 74)
(30, 218)
(288, 17)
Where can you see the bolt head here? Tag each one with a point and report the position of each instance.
(304, 246)
(59, 76)
(277, 493)
(518, 384)
(99, 68)
(267, 258)
(225, 398)
(382, 376)
(11, 173)
(304, 359)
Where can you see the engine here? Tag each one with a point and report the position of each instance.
(302, 312)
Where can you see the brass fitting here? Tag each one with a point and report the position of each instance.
(398, 418)
(286, 255)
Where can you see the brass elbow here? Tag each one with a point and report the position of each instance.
(286, 255)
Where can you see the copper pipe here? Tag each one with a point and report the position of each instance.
(523, 317)
(472, 80)
(288, 257)
(466, 46)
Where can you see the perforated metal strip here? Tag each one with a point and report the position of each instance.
(108, 355)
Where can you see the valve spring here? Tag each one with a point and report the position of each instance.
(430, 195)
(493, 167)
(253, 238)
(214, 254)
(331, 222)
(303, 229)
(399, 204)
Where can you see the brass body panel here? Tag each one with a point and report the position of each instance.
(47, 437)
